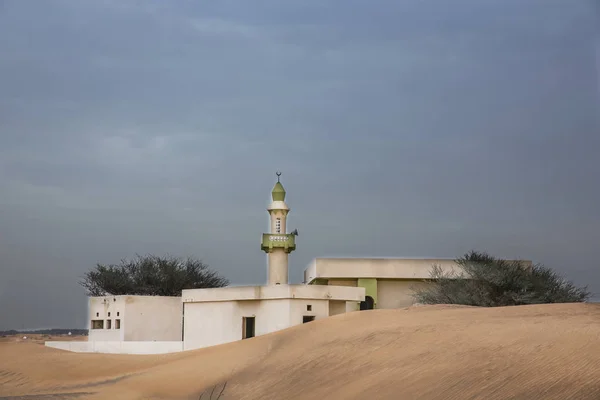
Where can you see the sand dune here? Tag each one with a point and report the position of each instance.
(429, 352)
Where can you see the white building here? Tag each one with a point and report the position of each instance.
(208, 317)
(388, 282)
(216, 316)
(135, 318)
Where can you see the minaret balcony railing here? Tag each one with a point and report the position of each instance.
(285, 241)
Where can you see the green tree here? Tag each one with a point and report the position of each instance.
(486, 281)
(151, 276)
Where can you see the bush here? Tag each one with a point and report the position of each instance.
(151, 276)
(490, 282)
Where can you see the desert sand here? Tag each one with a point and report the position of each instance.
(426, 352)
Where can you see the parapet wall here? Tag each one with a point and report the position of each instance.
(118, 347)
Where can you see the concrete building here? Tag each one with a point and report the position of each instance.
(208, 317)
(216, 316)
(135, 318)
(388, 282)
(131, 325)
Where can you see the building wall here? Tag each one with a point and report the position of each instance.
(141, 318)
(390, 293)
(106, 308)
(112, 347)
(152, 318)
(380, 268)
(396, 293)
(337, 307)
(272, 292)
(342, 282)
(298, 309)
(213, 323)
(208, 324)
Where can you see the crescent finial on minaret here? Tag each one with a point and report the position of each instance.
(278, 175)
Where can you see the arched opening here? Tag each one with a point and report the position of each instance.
(368, 304)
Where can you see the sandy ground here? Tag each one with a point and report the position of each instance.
(428, 352)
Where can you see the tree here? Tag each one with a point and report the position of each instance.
(151, 276)
(490, 282)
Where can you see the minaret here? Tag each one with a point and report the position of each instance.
(278, 244)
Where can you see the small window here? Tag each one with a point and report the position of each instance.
(109, 313)
(97, 324)
(97, 314)
(309, 307)
(108, 324)
(117, 313)
(308, 318)
(278, 225)
(117, 324)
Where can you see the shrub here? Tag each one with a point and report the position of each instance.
(151, 276)
(486, 281)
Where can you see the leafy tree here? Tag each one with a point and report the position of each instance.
(490, 282)
(151, 276)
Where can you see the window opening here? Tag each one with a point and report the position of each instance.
(97, 324)
(248, 325)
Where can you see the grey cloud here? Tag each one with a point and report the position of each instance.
(402, 129)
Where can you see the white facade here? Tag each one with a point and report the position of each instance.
(111, 347)
(217, 316)
(379, 268)
(134, 318)
(388, 282)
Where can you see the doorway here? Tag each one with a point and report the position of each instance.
(368, 304)
(248, 325)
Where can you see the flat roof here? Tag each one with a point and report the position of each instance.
(378, 268)
(273, 292)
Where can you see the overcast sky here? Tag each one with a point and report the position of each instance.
(402, 128)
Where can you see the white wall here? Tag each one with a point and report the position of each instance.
(153, 318)
(208, 324)
(381, 268)
(298, 309)
(391, 268)
(270, 292)
(337, 307)
(395, 293)
(213, 323)
(142, 318)
(118, 347)
(106, 308)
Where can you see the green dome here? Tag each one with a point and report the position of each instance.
(278, 192)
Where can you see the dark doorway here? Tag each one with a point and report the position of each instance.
(368, 304)
(248, 327)
(308, 318)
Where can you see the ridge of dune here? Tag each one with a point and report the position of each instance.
(549, 351)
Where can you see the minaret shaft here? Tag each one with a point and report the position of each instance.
(278, 268)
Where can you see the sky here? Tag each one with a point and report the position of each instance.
(402, 129)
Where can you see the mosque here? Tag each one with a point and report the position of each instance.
(208, 317)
